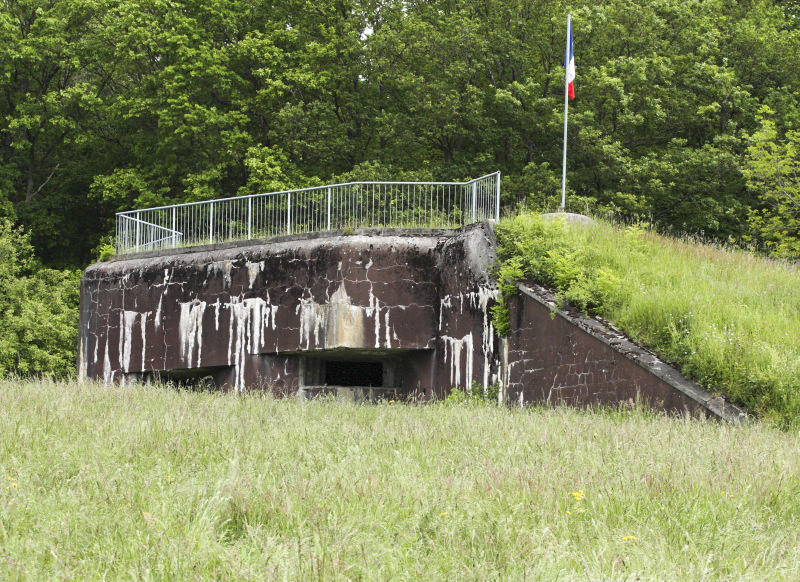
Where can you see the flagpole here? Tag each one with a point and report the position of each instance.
(566, 110)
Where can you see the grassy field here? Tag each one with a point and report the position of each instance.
(154, 483)
(728, 318)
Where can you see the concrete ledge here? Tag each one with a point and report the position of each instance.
(618, 341)
(327, 234)
(568, 217)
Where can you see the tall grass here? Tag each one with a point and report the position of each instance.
(727, 318)
(152, 483)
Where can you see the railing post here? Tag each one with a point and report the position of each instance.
(174, 227)
(249, 218)
(289, 213)
(329, 208)
(474, 199)
(138, 229)
(211, 224)
(497, 206)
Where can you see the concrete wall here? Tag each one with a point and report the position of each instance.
(259, 315)
(560, 356)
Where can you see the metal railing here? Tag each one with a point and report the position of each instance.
(337, 206)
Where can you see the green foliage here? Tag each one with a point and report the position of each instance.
(477, 394)
(536, 249)
(727, 318)
(105, 250)
(773, 170)
(38, 311)
(112, 105)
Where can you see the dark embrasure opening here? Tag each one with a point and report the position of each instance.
(342, 373)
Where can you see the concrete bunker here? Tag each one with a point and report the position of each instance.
(382, 313)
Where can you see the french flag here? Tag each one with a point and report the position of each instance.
(569, 62)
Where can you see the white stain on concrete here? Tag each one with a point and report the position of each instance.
(108, 374)
(477, 301)
(248, 322)
(445, 302)
(312, 322)
(337, 323)
(143, 330)
(453, 348)
(157, 320)
(165, 284)
(253, 269)
(127, 321)
(222, 268)
(374, 310)
(480, 301)
(344, 322)
(190, 331)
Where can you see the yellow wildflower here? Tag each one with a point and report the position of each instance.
(578, 495)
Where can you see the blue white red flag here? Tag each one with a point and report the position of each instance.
(569, 63)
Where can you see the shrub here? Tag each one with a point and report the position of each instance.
(38, 311)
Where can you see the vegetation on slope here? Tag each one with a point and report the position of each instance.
(151, 483)
(726, 317)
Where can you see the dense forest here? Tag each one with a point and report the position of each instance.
(686, 113)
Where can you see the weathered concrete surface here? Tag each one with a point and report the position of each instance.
(252, 316)
(560, 356)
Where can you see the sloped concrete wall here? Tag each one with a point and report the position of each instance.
(559, 356)
(246, 314)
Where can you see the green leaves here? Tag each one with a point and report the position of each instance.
(773, 170)
(532, 248)
(108, 105)
(38, 311)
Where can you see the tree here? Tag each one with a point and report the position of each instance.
(773, 170)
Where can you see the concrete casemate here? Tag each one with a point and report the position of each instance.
(390, 313)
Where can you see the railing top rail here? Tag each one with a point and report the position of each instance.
(366, 183)
(126, 217)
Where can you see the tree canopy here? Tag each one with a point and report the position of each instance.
(109, 105)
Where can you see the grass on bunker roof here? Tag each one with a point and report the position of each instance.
(150, 482)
